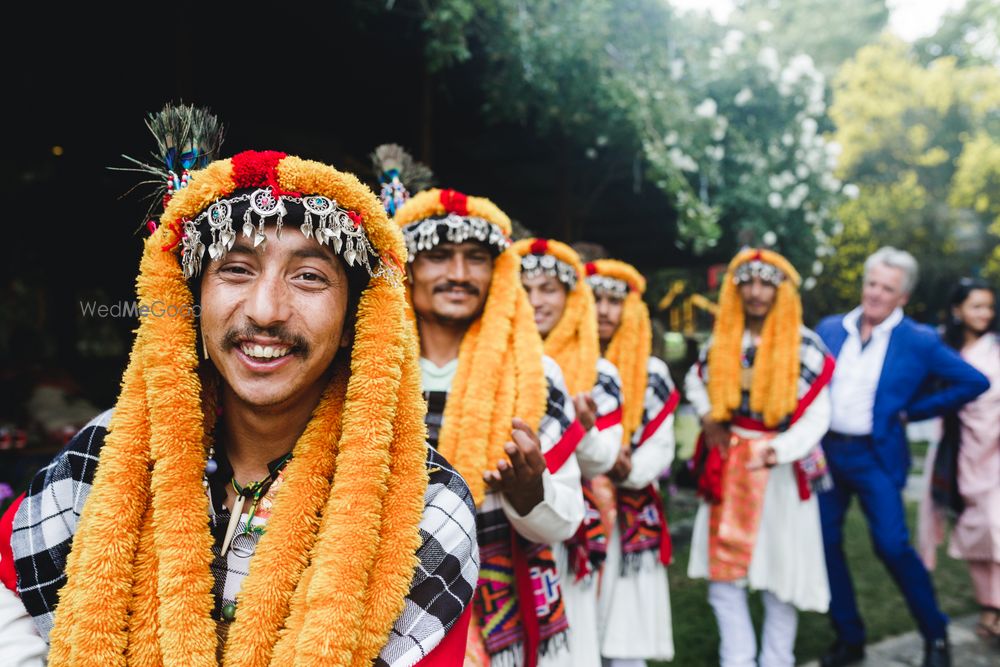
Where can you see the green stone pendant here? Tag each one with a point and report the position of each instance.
(229, 612)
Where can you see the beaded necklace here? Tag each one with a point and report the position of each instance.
(252, 491)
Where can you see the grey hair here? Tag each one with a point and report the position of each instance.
(897, 259)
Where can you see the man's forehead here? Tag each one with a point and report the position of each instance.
(539, 279)
(888, 274)
(291, 245)
(464, 247)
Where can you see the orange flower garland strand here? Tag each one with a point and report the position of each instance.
(774, 389)
(573, 342)
(348, 541)
(632, 343)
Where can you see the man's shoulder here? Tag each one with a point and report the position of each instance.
(829, 324)
(811, 339)
(605, 367)
(445, 482)
(656, 366)
(77, 460)
(919, 332)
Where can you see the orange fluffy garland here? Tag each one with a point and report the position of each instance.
(632, 343)
(573, 342)
(774, 389)
(338, 556)
(500, 374)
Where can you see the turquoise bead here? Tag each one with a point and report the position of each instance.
(229, 612)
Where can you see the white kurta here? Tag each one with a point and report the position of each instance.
(20, 643)
(634, 609)
(596, 454)
(788, 556)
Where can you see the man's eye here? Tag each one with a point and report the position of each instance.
(312, 277)
(234, 269)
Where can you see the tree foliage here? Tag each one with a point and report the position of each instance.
(830, 32)
(706, 115)
(912, 137)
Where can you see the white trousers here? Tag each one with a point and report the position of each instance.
(738, 640)
(623, 662)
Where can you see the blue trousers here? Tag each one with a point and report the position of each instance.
(856, 471)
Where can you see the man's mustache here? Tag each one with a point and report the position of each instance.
(456, 285)
(234, 337)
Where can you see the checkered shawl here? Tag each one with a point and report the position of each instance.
(607, 393)
(442, 586)
(812, 362)
(659, 390)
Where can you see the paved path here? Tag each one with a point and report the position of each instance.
(967, 650)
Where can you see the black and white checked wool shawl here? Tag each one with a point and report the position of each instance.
(607, 391)
(659, 388)
(442, 587)
(812, 359)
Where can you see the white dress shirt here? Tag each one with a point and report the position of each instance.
(855, 379)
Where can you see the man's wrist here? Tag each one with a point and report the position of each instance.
(525, 500)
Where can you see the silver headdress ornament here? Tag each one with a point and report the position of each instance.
(455, 228)
(533, 265)
(758, 268)
(607, 286)
(339, 227)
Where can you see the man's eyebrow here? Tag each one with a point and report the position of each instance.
(313, 251)
(243, 248)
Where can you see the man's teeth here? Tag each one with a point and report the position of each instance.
(265, 351)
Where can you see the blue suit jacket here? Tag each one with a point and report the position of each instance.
(916, 355)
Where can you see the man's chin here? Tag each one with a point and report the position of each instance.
(464, 314)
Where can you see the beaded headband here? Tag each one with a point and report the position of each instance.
(533, 265)
(341, 228)
(757, 268)
(607, 286)
(454, 228)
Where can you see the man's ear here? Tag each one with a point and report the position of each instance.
(347, 333)
(906, 300)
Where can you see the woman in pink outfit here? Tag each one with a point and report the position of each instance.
(976, 535)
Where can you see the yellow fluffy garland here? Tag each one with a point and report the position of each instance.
(500, 374)
(774, 389)
(632, 343)
(573, 342)
(336, 562)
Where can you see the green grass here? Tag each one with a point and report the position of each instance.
(696, 637)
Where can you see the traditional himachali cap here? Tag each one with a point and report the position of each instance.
(774, 390)
(333, 569)
(500, 373)
(573, 341)
(632, 343)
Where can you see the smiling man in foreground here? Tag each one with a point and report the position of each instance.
(268, 498)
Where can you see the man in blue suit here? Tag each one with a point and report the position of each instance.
(886, 364)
